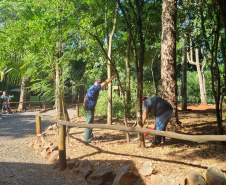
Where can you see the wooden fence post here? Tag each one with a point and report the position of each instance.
(38, 124)
(44, 105)
(61, 147)
(77, 111)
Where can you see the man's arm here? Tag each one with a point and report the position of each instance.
(144, 116)
(108, 80)
(84, 102)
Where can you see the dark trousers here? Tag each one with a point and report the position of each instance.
(161, 124)
(89, 120)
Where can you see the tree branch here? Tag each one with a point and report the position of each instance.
(204, 59)
(190, 60)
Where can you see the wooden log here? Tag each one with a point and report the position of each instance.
(38, 124)
(77, 111)
(194, 138)
(61, 147)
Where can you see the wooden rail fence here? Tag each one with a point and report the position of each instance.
(62, 133)
(31, 102)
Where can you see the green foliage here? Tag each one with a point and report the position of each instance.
(11, 97)
(193, 90)
(33, 32)
(102, 103)
(81, 110)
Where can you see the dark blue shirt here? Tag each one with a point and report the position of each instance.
(92, 96)
(157, 106)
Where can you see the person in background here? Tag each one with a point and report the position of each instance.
(1, 102)
(161, 110)
(90, 101)
(5, 104)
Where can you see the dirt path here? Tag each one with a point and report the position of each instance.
(19, 165)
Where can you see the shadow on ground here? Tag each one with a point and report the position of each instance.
(178, 147)
(36, 174)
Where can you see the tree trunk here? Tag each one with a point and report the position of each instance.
(203, 75)
(57, 94)
(202, 85)
(222, 7)
(64, 109)
(109, 109)
(128, 93)
(223, 51)
(216, 82)
(201, 79)
(140, 65)
(155, 80)
(168, 54)
(109, 116)
(215, 74)
(81, 92)
(184, 75)
(22, 95)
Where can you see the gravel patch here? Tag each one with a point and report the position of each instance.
(20, 165)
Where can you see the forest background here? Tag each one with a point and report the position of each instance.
(56, 48)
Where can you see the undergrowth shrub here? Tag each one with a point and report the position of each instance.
(102, 104)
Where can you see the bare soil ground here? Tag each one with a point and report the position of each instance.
(109, 148)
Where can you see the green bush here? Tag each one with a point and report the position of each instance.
(193, 91)
(102, 104)
(81, 110)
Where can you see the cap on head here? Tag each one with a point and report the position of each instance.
(98, 80)
(143, 98)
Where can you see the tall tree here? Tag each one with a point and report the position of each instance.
(184, 75)
(222, 7)
(109, 43)
(184, 61)
(168, 54)
(200, 71)
(211, 25)
(128, 72)
(134, 20)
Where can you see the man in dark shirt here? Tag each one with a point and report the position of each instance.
(162, 110)
(90, 101)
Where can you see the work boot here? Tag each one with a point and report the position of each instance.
(163, 139)
(156, 141)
